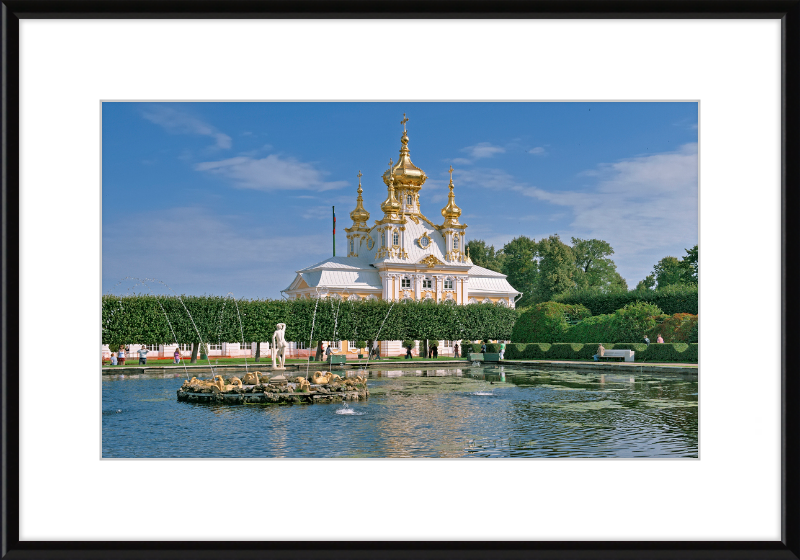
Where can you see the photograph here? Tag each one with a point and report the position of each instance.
(386, 280)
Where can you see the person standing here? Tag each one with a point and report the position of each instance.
(502, 349)
(483, 348)
(113, 358)
(659, 340)
(328, 352)
(376, 349)
(143, 355)
(409, 356)
(121, 355)
(435, 352)
(455, 350)
(177, 355)
(646, 340)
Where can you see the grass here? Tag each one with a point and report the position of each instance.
(265, 362)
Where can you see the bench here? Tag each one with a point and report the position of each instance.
(627, 355)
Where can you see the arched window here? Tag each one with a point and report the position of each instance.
(383, 239)
(352, 246)
(410, 200)
(396, 238)
(455, 242)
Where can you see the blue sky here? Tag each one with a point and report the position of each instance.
(218, 198)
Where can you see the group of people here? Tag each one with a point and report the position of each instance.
(118, 357)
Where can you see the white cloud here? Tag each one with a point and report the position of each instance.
(483, 150)
(538, 151)
(196, 252)
(646, 207)
(461, 161)
(270, 173)
(180, 122)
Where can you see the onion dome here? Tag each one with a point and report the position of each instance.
(451, 212)
(391, 205)
(406, 174)
(359, 215)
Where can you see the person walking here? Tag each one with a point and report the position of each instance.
(646, 340)
(659, 340)
(455, 350)
(143, 355)
(328, 352)
(435, 352)
(409, 356)
(483, 348)
(376, 347)
(502, 349)
(177, 355)
(121, 355)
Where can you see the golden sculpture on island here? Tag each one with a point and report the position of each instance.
(302, 384)
(251, 378)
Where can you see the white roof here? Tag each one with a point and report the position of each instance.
(338, 272)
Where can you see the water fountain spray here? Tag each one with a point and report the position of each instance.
(320, 292)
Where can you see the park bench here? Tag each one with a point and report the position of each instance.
(627, 355)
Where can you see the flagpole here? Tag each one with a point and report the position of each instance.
(334, 230)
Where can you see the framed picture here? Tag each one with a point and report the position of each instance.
(738, 61)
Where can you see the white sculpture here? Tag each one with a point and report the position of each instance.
(279, 345)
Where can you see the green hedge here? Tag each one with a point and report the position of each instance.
(671, 299)
(146, 319)
(677, 352)
(546, 322)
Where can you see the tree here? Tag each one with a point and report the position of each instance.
(649, 283)
(593, 267)
(519, 266)
(690, 265)
(556, 267)
(668, 271)
(485, 256)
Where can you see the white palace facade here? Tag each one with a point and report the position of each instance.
(404, 255)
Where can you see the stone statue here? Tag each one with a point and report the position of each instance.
(279, 346)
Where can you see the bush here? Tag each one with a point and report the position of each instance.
(531, 351)
(636, 319)
(546, 322)
(408, 344)
(493, 348)
(680, 327)
(361, 344)
(432, 343)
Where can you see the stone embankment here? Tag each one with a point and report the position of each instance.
(277, 390)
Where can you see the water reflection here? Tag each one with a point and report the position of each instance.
(488, 411)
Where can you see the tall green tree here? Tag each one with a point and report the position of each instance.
(593, 267)
(649, 283)
(556, 267)
(690, 265)
(485, 255)
(519, 266)
(668, 271)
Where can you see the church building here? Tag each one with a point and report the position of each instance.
(404, 255)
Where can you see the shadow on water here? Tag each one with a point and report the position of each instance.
(486, 411)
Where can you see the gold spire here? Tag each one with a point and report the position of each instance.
(391, 205)
(359, 215)
(407, 176)
(451, 212)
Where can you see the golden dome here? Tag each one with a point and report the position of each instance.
(391, 205)
(406, 174)
(359, 215)
(451, 212)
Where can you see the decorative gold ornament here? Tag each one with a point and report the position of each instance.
(424, 240)
(451, 212)
(359, 215)
(370, 243)
(406, 174)
(430, 261)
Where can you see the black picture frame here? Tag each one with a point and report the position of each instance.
(788, 11)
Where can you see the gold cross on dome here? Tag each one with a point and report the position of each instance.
(391, 163)
(404, 121)
(359, 176)
(451, 173)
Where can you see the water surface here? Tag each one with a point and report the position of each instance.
(484, 411)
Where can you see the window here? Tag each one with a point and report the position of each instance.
(185, 347)
(383, 239)
(246, 345)
(352, 246)
(152, 347)
(351, 345)
(405, 282)
(455, 242)
(410, 200)
(426, 283)
(448, 343)
(448, 284)
(301, 345)
(396, 238)
(214, 346)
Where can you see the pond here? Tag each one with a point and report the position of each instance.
(481, 411)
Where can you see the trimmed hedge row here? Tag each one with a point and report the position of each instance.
(671, 299)
(547, 322)
(677, 352)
